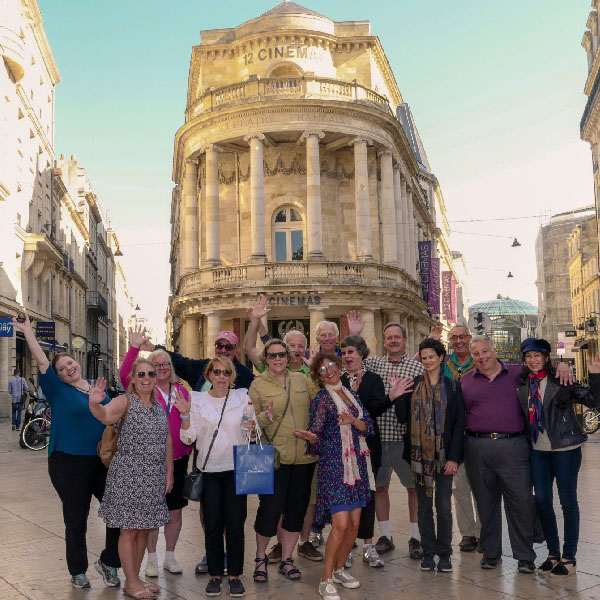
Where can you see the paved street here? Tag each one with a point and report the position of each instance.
(32, 562)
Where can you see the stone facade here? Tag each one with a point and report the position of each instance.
(294, 177)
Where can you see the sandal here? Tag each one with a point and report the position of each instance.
(560, 569)
(151, 587)
(549, 564)
(143, 594)
(260, 575)
(292, 574)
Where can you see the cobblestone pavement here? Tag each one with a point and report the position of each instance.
(32, 556)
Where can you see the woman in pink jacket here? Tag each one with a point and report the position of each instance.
(166, 391)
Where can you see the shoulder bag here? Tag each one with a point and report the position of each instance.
(107, 446)
(276, 453)
(194, 480)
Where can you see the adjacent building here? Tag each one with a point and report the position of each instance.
(300, 173)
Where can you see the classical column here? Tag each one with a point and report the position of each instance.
(316, 315)
(398, 211)
(361, 200)
(213, 231)
(388, 209)
(314, 225)
(391, 316)
(213, 326)
(189, 260)
(406, 248)
(191, 337)
(257, 198)
(412, 233)
(368, 332)
(410, 344)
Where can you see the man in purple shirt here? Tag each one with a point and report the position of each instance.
(497, 456)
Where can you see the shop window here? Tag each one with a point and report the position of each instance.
(288, 236)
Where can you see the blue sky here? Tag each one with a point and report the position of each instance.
(495, 88)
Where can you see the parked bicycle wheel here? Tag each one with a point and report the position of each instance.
(36, 434)
(591, 420)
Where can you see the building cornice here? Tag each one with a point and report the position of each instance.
(41, 39)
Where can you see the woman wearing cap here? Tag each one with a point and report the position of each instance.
(556, 439)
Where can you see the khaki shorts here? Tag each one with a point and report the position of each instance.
(391, 460)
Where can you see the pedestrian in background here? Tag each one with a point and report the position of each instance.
(17, 388)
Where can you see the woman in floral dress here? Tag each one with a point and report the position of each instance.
(337, 429)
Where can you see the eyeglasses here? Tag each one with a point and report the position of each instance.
(142, 374)
(162, 365)
(225, 372)
(276, 354)
(462, 338)
(328, 367)
(224, 346)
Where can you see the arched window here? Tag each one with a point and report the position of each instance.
(288, 236)
(287, 69)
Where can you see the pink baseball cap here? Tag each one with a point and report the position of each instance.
(227, 335)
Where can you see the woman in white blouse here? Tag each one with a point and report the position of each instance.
(224, 512)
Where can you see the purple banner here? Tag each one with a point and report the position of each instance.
(434, 286)
(447, 295)
(453, 298)
(425, 267)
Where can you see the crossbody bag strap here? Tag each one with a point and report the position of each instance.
(214, 437)
(122, 419)
(282, 414)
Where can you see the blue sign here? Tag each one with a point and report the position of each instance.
(45, 331)
(6, 328)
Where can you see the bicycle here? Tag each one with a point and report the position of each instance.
(591, 420)
(36, 434)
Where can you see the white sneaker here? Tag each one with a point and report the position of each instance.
(345, 579)
(172, 566)
(348, 563)
(372, 557)
(316, 539)
(328, 591)
(151, 569)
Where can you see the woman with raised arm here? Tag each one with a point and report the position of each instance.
(141, 471)
(166, 387)
(76, 471)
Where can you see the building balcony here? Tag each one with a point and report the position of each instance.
(96, 302)
(296, 273)
(589, 111)
(255, 90)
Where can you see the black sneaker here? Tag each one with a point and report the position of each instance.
(214, 587)
(236, 588)
(415, 550)
(428, 564)
(490, 563)
(549, 564)
(526, 566)
(444, 564)
(384, 544)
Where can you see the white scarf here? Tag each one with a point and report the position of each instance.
(351, 471)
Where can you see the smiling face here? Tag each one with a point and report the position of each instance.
(459, 340)
(327, 337)
(329, 372)
(68, 369)
(394, 341)
(220, 375)
(162, 365)
(225, 348)
(276, 358)
(297, 344)
(485, 357)
(535, 361)
(144, 377)
(352, 359)
(430, 359)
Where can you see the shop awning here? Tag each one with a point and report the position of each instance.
(583, 344)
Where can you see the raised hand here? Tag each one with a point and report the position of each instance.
(259, 309)
(399, 386)
(180, 403)
(138, 336)
(565, 374)
(312, 352)
(594, 365)
(309, 436)
(97, 391)
(24, 324)
(356, 322)
(435, 332)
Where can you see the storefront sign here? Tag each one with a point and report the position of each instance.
(45, 331)
(285, 52)
(6, 328)
(294, 300)
(434, 286)
(424, 267)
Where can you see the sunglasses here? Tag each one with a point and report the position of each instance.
(276, 354)
(224, 346)
(162, 365)
(225, 372)
(142, 374)
(328, 367)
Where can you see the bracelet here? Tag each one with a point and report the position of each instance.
(185, 417)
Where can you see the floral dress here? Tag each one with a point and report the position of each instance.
(331, 489)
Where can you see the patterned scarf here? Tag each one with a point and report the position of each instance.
(428, 413)
(536, 405)
(351, 472)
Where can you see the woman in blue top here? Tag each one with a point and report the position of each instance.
(76, 471)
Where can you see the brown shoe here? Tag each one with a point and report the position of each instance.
(415, 551)
(384, 544)
(275, 554)
(307, 550)
(468, 543)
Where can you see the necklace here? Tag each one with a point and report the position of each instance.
(84, 391)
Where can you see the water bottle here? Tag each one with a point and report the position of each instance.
(248, 414)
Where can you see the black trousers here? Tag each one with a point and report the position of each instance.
(76, 479)
(499, 470)
(440, 544)
(366, 525)
(223, 510)
(291, 498)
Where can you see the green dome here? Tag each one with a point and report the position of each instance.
(502, 307)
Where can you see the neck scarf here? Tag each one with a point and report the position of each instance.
(428, 413)
(536, 405)
(351, 472)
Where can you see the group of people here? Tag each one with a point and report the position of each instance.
(341, 422)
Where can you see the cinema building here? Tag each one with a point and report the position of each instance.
(298, 173)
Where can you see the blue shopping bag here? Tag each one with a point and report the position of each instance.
(254, 470)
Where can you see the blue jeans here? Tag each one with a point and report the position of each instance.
(564, 466)
(17, 408)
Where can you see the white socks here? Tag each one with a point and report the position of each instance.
(385, 528)
(152, 558)
(170, 555)
(414, 531)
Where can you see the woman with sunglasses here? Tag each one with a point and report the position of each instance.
(219, 410)
(75, 470)
(338, 427)
(166, 388)
(141, 471)
(282, 403)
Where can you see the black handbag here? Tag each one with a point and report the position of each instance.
(194, 480)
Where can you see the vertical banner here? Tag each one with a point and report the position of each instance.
(447, 295)
(434, 286)
(453, 300)
(424, 267)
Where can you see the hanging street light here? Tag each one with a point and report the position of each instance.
(515, 243)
